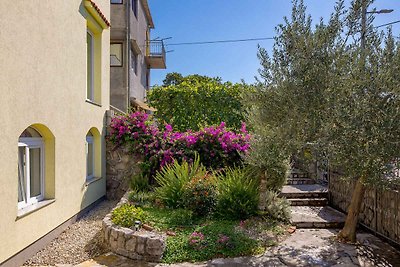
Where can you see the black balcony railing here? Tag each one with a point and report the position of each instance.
(155, 48)
(155, 54)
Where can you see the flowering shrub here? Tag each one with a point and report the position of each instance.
(200, 194)
(196, 240)
(216, 145)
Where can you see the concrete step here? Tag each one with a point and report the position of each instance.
(304, 191)
(308, 201)
(316, 217)
(301, 175)
(296, 181)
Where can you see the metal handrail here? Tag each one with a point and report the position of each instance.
(155, 48)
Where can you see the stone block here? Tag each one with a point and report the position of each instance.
(130, 244)
(121, 240)
(140, 248)
(155, 246)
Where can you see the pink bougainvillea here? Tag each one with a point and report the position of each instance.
(217, 146)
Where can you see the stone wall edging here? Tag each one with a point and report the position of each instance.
(137, 245)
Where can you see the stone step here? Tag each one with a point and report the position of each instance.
(296, 181)
(298, 175)
(316, 217)
(308, 201)
(304, 191)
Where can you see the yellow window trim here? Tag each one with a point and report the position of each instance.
(96, 13)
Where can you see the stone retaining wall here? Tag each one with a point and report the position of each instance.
(137, 245)
(380, 210)
(121, 166)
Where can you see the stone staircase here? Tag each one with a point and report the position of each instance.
(309, 203)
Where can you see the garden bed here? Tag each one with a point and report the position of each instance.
(131, 243)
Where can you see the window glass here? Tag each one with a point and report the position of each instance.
(89, 161)
(134, 62)
(21, 174)
(35, 172)
(135, 7)
(89, 45)
(116, 55)
(116, 1)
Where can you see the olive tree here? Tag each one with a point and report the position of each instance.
(321, 87)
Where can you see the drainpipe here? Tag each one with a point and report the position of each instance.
(128, 53)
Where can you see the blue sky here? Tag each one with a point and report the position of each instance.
(208, 20)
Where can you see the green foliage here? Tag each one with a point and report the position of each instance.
(172, 180)
(321, 89)
(194, 101)
(140, 198)
(127, 214)
(277, 208)
(139, 183)
(220, 240)
(170, 219)
(200, 194)
(238, 194)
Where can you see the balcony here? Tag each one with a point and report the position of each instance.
(155, 54)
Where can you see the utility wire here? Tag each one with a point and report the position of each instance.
(222, 41)
(251, 39)
(387, 24)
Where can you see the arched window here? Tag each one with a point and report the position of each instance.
(90, 156)
(30, 168)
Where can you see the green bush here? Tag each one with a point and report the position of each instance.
(238, 193)
(140, 198)
(172, 180)
(276, 207)
(200, 194)
(127, 214)
(180, 217)
(139, 183)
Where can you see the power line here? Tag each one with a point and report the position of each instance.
(222, 41)
(387, 24)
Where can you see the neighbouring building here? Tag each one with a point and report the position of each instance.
(132, 54)
(54, 85)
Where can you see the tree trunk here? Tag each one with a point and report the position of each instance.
(262, 191)
(348, 233)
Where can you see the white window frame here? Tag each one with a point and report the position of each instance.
(90, 97)
(90, 140)
(28, 143)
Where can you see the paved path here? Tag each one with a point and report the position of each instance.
(305, 247)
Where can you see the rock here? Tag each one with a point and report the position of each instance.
(130, 245)
(155, 246)
(171, 233)
(147, 227)
(291, 229)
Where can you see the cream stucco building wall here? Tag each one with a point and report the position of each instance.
(43, 83)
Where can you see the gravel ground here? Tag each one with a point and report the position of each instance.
(80, 242)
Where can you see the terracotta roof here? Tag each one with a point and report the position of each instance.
(100, 13)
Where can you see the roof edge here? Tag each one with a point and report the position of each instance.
(146, 7)
(96, 12)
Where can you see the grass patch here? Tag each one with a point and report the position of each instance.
(201, 239)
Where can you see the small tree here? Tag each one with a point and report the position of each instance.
(321, 88)
(194, 101)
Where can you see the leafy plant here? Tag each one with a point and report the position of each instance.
(127, 214)
(196, 101)
(140, 198)
(238, 193)
(276, 207)
(210, 240)
(172, 180)
(139, 183)
(200, 194)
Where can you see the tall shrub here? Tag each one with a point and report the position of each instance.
(196, 101)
